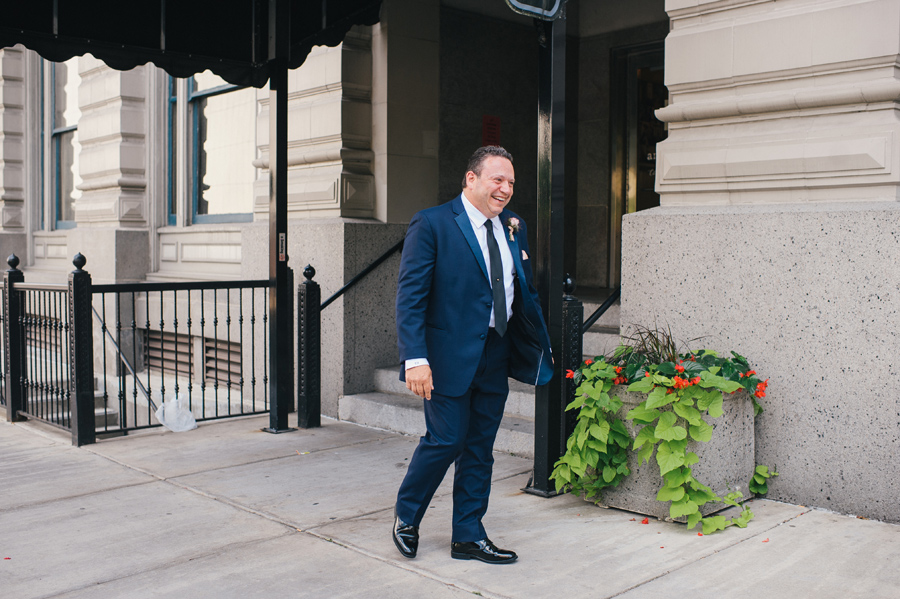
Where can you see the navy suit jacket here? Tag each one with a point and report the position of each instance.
(444, 301)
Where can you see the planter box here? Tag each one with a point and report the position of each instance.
(726, 462)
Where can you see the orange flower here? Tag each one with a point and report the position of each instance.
(750, 373)
(618, 369)
(646, 374)
(681, 383)
(679, 368)
(570, 374)
(588, 362)
(695, 380)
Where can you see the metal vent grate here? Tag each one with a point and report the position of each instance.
(169, 352)
(222, 361)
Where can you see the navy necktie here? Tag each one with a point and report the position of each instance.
(497, 284)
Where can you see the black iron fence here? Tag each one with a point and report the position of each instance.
(100, 359)
(204, 343)
(45, 370)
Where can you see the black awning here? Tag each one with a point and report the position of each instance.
(184, 37)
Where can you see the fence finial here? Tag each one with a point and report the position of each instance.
(309, 272)
(568, 286)
(13, 261)
(79, 261)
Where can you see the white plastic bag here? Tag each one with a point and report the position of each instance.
(173, 413)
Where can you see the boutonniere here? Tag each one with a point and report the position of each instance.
(513, 225)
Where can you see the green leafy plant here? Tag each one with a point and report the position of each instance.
(759, 482)
(680, 390)
(597, 451)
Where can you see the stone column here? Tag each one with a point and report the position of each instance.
(777, 231)
(12, 153)
(330, 128)
(405, 107)
(112, 212)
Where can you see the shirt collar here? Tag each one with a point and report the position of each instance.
(475, 215)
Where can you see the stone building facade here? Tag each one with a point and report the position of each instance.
(733, 164)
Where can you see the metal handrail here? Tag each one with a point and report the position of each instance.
(363, 273)
(601, 310)
(124, 359)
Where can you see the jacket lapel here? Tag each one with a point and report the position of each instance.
(465, 225)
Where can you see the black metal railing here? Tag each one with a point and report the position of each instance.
(45, 324)
(205, 343)
(595, 316)
(397, 247)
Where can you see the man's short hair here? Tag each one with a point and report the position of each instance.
(476, 162)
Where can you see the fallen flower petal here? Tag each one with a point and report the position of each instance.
(645, 521)
(699, 534)
(766, 541)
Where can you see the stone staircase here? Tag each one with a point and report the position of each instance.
(394, 408)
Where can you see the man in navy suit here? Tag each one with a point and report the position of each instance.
(468, 317)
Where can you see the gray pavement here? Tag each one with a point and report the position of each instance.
(229, 511)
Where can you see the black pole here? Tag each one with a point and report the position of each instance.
(81, 355)
(281, 312)
(14, 347)
(549, 430)
(309, 352)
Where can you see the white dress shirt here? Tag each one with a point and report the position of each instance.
(477, 219)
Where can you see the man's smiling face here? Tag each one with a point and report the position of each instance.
(491, 190)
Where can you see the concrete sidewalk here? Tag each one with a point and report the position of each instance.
(228, 511)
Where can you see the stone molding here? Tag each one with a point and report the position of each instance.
(781, 102)
(12, 139)
(112, 133)
(330, 159)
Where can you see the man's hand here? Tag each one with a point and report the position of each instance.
(418, 380)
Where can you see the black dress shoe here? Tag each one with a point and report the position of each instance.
(482, 550)
(406, 537)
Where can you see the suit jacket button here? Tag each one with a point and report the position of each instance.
(483, 335)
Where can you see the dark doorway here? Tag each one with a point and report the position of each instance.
(638, 89)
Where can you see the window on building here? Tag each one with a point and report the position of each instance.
(64, 146)
(224, 147)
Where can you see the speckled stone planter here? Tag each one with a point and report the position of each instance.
(726, 462)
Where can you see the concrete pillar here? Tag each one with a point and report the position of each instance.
(12, 153)
(330, 158)
(405, 107)
(777, 231)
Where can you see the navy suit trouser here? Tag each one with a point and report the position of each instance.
(460, 430)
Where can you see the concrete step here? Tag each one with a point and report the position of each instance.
(403, 414)
(520, 401)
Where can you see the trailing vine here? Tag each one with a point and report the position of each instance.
(680, 389)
